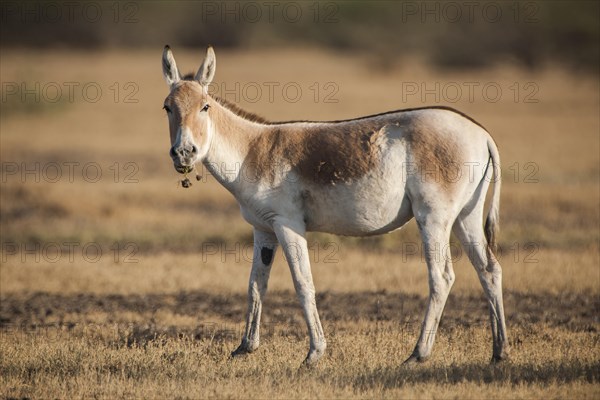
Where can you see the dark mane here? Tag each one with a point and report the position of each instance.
(237, 110)
(241, 112)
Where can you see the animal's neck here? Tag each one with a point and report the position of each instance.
(230, 144)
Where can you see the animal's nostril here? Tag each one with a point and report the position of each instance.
(172, 152)
(194, 149)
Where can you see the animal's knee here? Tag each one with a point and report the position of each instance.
(493, 267)
(449, 278)
(305, 292)
(441, 283)
(493, 271)
(448, 274)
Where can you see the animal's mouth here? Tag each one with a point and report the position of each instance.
(184, 169)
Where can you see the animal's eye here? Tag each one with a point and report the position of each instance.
(166, 108)
(206, 107)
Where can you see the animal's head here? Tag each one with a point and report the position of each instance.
(188, 109)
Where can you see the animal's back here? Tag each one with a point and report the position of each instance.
(356, 175)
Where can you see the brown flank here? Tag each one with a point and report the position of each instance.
(323, 154)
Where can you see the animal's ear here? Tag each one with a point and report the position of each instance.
(206, 72)
(169, 67)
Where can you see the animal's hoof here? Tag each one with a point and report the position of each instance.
(501, 353)
(312, 358)
(240, 351)
(310, 362)
(497, 359)
(308, 365)
(414, 360)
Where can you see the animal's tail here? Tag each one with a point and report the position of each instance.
(492, 221)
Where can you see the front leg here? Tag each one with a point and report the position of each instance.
(291, 237)
(265, 245)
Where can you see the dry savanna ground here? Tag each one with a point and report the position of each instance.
(115, 281)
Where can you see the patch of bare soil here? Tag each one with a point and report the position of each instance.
(575, 312)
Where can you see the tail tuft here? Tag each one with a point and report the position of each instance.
(492, 222)
(491, 228)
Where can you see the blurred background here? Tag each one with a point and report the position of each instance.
(85, 143)
(447, 34)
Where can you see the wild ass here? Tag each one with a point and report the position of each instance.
(358, 177)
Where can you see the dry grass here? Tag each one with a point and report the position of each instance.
(363, 362)
(343, 269)
(163, 324)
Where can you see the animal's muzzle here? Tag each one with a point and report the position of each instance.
(184, 152)
(183, 158)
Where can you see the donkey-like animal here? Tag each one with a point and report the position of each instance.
(358, 177)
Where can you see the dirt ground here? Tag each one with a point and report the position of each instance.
(570, 311)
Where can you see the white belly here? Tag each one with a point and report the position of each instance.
(376, 203)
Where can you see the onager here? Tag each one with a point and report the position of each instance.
(356, 177)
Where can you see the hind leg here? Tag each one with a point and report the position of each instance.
(469, 231)
(435, 233)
